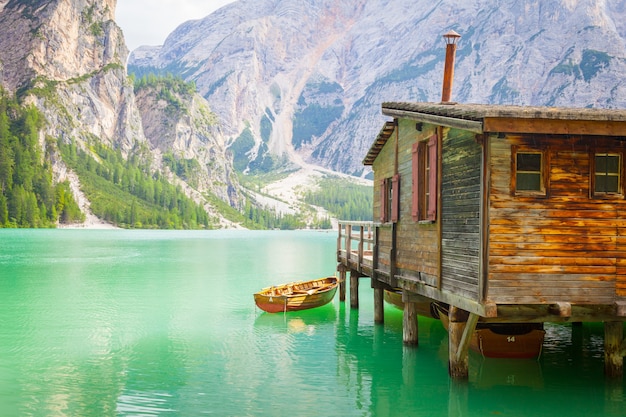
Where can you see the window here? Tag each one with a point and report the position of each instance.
(607, 174)
(424, 206)
(530, 172)
(390, 199)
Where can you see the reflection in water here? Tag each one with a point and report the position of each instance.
(304, 321)
(489, 373)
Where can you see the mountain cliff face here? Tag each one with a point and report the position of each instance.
(67, 57)
(57, 40)
(184, 132)
(306, 79)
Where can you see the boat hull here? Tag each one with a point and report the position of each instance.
(297, 296)
(513, 346)
(505, 340)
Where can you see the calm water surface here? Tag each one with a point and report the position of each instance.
(156, 323)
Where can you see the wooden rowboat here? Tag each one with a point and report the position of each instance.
(295, 296)
(504, 340)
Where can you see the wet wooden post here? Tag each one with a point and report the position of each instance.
(460, 329)
(354, 288)
(613, 356)
(409, 322)
(379, 305)
(342, 282)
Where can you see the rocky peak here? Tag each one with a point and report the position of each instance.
(180, 126)
(57, 40)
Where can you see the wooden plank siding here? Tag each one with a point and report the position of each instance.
(384, 232)
(564, 246)
(460, 214)
(417, 245)
(452, 262)
(382, 171)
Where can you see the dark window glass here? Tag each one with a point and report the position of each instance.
(607, 174)
(528, 172)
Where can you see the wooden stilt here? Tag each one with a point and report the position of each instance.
(409, 324)
(460, 329)
(458, 368)
(342, 282)
(379, 307)
(613, 359)
(354, 289)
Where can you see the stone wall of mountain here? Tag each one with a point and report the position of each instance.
(306, 79)
(68, 58)
(184, 134)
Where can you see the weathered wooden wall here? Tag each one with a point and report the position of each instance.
(417, 244)
(565, 246)
(449, 260)
(384, 167)
(460, 204)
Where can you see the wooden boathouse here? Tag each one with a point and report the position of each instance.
(505, 213)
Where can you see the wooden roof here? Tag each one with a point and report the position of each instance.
(487, 118)
(380, 141)
(479, 112)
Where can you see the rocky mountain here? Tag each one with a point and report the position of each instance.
(184, 134)
(67, 58)
(303, 80)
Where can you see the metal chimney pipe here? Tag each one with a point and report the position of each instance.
(448, 70)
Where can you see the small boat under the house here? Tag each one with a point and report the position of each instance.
(503, 340)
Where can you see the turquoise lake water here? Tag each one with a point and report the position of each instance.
(163, 323)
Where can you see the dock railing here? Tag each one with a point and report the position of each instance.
(355, 245)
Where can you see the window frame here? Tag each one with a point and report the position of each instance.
(425, 180)
(390, 199)
(619, 194)
(544, 172)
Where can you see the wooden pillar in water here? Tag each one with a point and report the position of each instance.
(613, 356)
(460, 329)
(379, 305)
(409, 324)
(342, 282)
(354, 289)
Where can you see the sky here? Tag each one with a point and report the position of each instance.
(148, 22)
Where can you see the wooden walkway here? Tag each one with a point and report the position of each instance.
(355, 246)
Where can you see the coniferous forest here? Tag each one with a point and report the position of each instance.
(127, 194)
(28, 197)
(343, 199)
(122, 192)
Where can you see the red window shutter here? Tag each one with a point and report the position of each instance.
(395, 198)
(432, 178)
(415, 186)
(383, 201)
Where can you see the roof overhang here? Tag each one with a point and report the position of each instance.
(380, 141)
(471, 125)
(488, 118)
